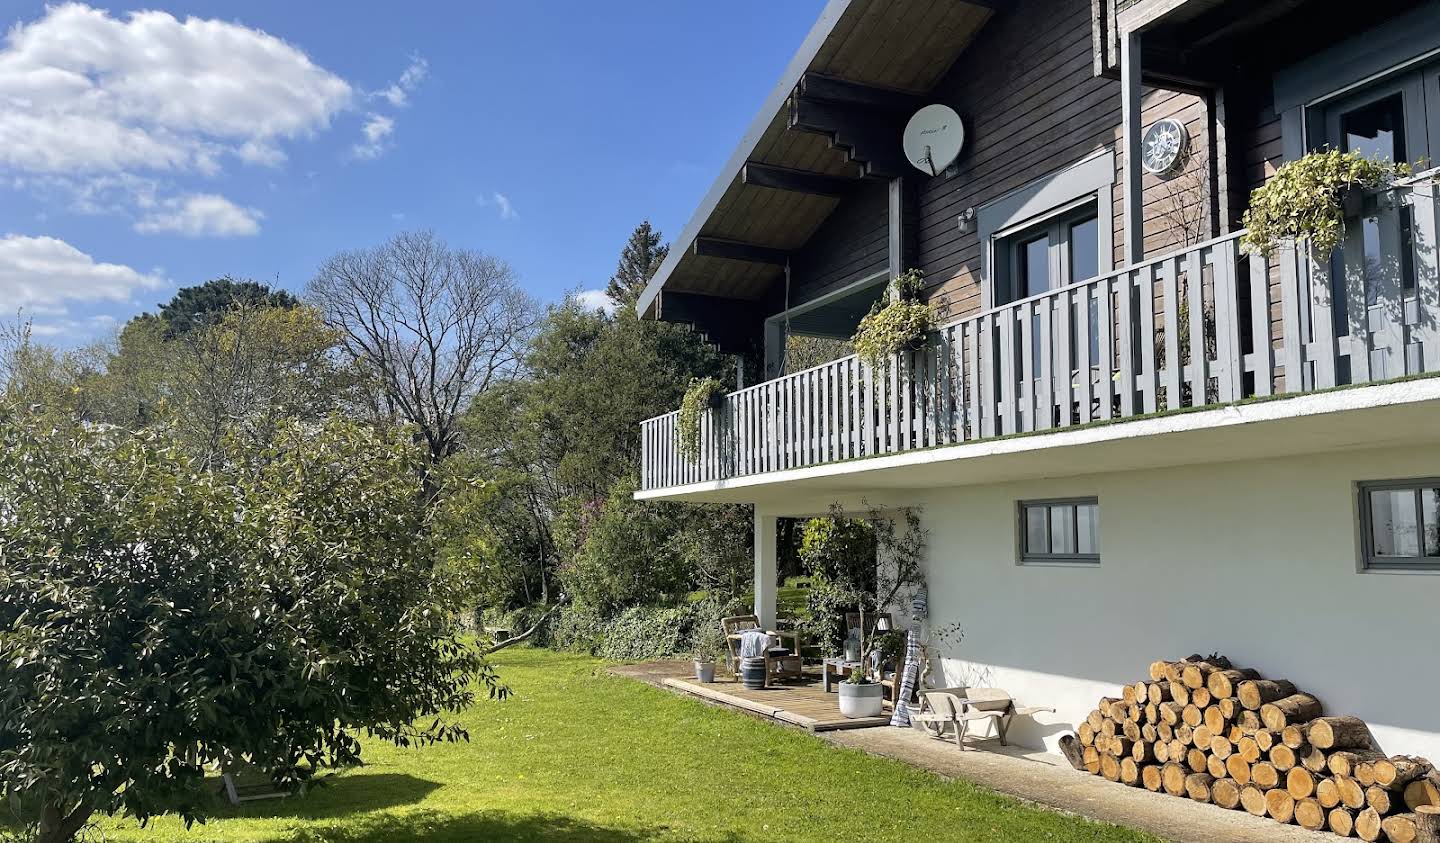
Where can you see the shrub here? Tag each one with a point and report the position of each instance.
(1303, 200)
(895, 324)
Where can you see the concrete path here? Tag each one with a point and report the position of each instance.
(1047, 780)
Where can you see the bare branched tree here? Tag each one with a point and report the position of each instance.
(430, 327)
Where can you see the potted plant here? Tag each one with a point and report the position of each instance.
(1310, 198)
(703, 396)
(706, 652)
(898, 323)
(860, 696)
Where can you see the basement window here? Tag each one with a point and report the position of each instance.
(1062, 531)
(1400, 525)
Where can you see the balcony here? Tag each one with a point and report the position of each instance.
(1114, 347)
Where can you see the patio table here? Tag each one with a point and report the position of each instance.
(842, 667)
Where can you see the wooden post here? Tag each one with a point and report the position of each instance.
(1131, 131)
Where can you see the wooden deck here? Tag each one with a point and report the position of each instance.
(803, 703)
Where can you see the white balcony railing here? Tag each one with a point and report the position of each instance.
(1112, 347)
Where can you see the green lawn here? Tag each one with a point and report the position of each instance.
(577, 754)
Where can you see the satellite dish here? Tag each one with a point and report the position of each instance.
(933, 138)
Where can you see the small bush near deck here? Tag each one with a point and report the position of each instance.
(1303, 200)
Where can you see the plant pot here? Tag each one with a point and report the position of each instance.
(704, 671)
(864, 700)
(1352, 201)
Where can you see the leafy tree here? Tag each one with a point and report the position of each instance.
(160, 617)
(639, 261)
(207, 304)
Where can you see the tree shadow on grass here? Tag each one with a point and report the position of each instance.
(338, 796)
(431, 827)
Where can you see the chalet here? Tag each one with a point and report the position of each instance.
(1129, 437)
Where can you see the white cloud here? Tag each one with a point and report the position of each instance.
(501, 203)
(595, 300)
(201, 215)
(84, 92)
(398, 92)
(43, 275)
(377, 131)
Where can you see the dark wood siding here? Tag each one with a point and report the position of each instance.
(852, 243)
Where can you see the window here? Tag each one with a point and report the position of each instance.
(1043, 256)
(1400, 525)
(1060, 531)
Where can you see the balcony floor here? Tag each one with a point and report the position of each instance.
(1347, 418)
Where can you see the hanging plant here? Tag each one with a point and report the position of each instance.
(703, 395)
(1306, 199)
(897, 324)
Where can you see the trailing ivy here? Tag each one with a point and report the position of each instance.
(898, 323)
(1304, 200)
(698, 401)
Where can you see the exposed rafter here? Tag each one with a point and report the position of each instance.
(731, 325)
(796, 181)
(869, 138)
(710, 247)
(818, 86)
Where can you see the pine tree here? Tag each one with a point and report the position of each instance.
(642, 257)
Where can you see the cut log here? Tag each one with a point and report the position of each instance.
(1131, 730)
(1229, 707)
(1328, 793)
(1092, 760)
(1194, 674)
(1201, 737)
(1143, 752)
(1385, 802)
(1400, 770)
(1341, 821)
(1254, 693)
(1215, 767)
(1427, 824)
(1367, 825)
(1108, 727)
(1133, 711)
(1193, 716)
(1309, 814)
(1150, 777)
(1164, 730)
(1197, 786)
(1157, 692)
(1200, 697)
(1400, 828)
(1184, 734)
(1177, 751)
(1423, 791)
(1129, 694)
(1151, 712)
(1172, 669)
(1283, 757)
(1280, 805)
(1157, 670)
(1294, 736)
(1266, 739)
(1248, 749)
(1352, 795)
(1118, 710)
(1221, 748)
(1264, 775)
(1343, 763)
(1225, 793)
(1365, 773)
(1073, 749)
(1172, 778)
(1223, 683)
(1215, 721)
(1179, 694)
(1339, 733)
(1110, 767)
(1170, 712)
(1313, 760)
(1300, 783)
(1197, 760)
(1120, 746)
(1296, 708)
(1085, 734)
(1234, 733)
(1252, 799)
(1237, 768)
(1161, 750)
(1249, 721)
(1148, 733)
(1129, 772)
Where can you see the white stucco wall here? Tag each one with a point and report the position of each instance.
(1256, 560)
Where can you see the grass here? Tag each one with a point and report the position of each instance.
(577, 754)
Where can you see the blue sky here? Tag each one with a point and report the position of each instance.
(142, 152)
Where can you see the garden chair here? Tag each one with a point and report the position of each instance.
(954, 709)
(776, 667)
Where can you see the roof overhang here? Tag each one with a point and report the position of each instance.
(833, 119)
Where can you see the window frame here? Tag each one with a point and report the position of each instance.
(1008, 247)
(1023, 555)
(1369, 562)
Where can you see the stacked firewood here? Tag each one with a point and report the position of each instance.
(1205, 729)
